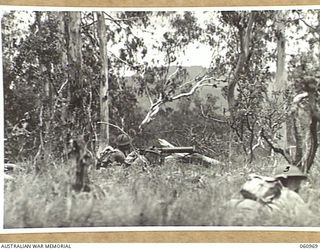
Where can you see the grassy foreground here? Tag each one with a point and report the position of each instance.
(169, 195)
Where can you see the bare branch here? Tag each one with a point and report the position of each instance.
(149, 96)
(184, 84)
(307, 24)
(259, 142)
(300, 97)
(110, 18)
(194, 88)
(276, 149)
(118, 58)
(62, 86)
(115, 126)
(84, 26)
(174, 73)
(126, 62)
(155, 107)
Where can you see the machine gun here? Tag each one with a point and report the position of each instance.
(158, 154)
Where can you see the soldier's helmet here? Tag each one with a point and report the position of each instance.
(123, 140)
(289, 171)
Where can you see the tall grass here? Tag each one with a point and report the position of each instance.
(169, 195)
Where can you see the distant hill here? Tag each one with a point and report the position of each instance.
(193, 72)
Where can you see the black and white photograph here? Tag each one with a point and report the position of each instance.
(182, 117)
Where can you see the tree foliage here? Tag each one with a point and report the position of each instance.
(52, 69)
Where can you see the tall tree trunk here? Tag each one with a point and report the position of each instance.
(281, 74)
(280, 84)
(63, 62)
(44, 108)
(104, 84)
(63, 89)
(73, 42)
(79, 155)
(245, 39)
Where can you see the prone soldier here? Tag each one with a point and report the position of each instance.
(272, 196)
(115, 155)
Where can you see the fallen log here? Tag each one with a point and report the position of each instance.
(186, 157)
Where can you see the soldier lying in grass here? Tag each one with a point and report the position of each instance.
(271, 196)
(123, 154)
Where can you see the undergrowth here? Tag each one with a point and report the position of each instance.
(173, 194)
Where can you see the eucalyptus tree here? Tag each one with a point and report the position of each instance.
(240, 41)
(56, 69)
(170, 82)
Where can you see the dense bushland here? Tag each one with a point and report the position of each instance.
(94, 75)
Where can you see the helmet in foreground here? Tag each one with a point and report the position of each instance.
(123, 140)
(289, 171)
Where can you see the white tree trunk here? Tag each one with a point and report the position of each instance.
(280, 83)
(245, 40)
(104, 85)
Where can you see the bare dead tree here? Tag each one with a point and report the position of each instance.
(167, 97)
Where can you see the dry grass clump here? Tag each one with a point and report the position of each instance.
(167, 195)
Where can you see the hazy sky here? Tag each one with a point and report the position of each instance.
(195, 55)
